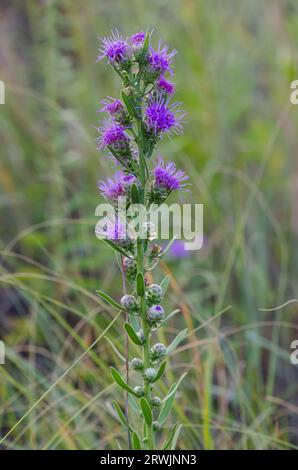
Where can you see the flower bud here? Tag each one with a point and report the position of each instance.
(136, 363)
(156, 401)
(154, 293)
(130, 267)
(158, 351)
(129, 302)
(156, 426)
(150, 374)
(139, 391)
(155, 314)
(141, 336)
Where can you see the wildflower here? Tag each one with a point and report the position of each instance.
(113, 135)
(114, 230)
(114, 48)
(161, 117)
(156, 401)
(168, 177)
(155, 313)
(137, 363)
(139, 391)
(177, 249)
(158, 351)
(115, 187)
(154, 294)
(165, 86)
(160, 61)
(137, 40)
(129, 302)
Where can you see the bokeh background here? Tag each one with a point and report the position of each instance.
(235, 64)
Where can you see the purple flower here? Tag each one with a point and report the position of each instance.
(137, 39)
(167, 177)
(165, 86)
(113, 230)
(111, 106)
(112, 135)
(114, 48)
(160, 61)
(160, 117)
(177, 249)
(119, 185)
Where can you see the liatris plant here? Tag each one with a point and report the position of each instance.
(135, 124)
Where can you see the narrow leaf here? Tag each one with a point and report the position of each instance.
(134, 193)
(118, 353)
(117, 248)
(165, 284)
(140, 285)
(180, 337)
(121, 382)
(109, 300)
(146, 410)
(132, 334)
(169, 317)
(145, 47)
(136, 443)
(121, 415)
(168, 401)
(160, 372)
(171, 442)
(129, 104)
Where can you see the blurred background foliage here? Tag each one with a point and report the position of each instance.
(235, 64)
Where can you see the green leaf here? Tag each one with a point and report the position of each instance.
(118, 353)
(116, 248)
(121, 382)
(134, 194)
(129, 104)
(180, 337)
(132, 334)
(140, 285)
(121, 415)
(160, 372)
(136, 443)
(145, 47)
(171, 442)
(146, 410)
(165, 284)
(134, 322)
(168, 401)
(109, 300)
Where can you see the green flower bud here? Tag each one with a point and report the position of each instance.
(158, 351)
(136, 363)
(156, 426)
(150, 374)
(139, 391)
(155, 313)
(156, 401)
(141, 336)
(154, 294)
(130, 268)
(129, 302)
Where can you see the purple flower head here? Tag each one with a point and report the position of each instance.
(114, 48)
(137, 39)
(114, 230)
(160, 61)
(112, 135)
(111, 106)
(160, 117)
(177, 249)
(119, 185)
(167, 177)
(165, 86)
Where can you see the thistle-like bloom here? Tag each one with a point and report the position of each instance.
(113, 230)
(165, 86)
(112, 135)
(167, 177)
(111, 106)
(160, 117)
(160, 61)
(137, 40)
(119, 185)
(114, 48)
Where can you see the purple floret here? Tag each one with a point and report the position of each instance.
(112, 135)
(165, 86)
(112, 188)
(111, 106)
(113, 230)
(168, 177)
(160, 61)
(160, 117)
(114, 48)
(138, 39)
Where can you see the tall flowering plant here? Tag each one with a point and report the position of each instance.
(136, 122)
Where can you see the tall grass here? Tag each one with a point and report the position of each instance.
(235, 63)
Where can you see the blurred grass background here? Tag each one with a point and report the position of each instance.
(233, 72)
